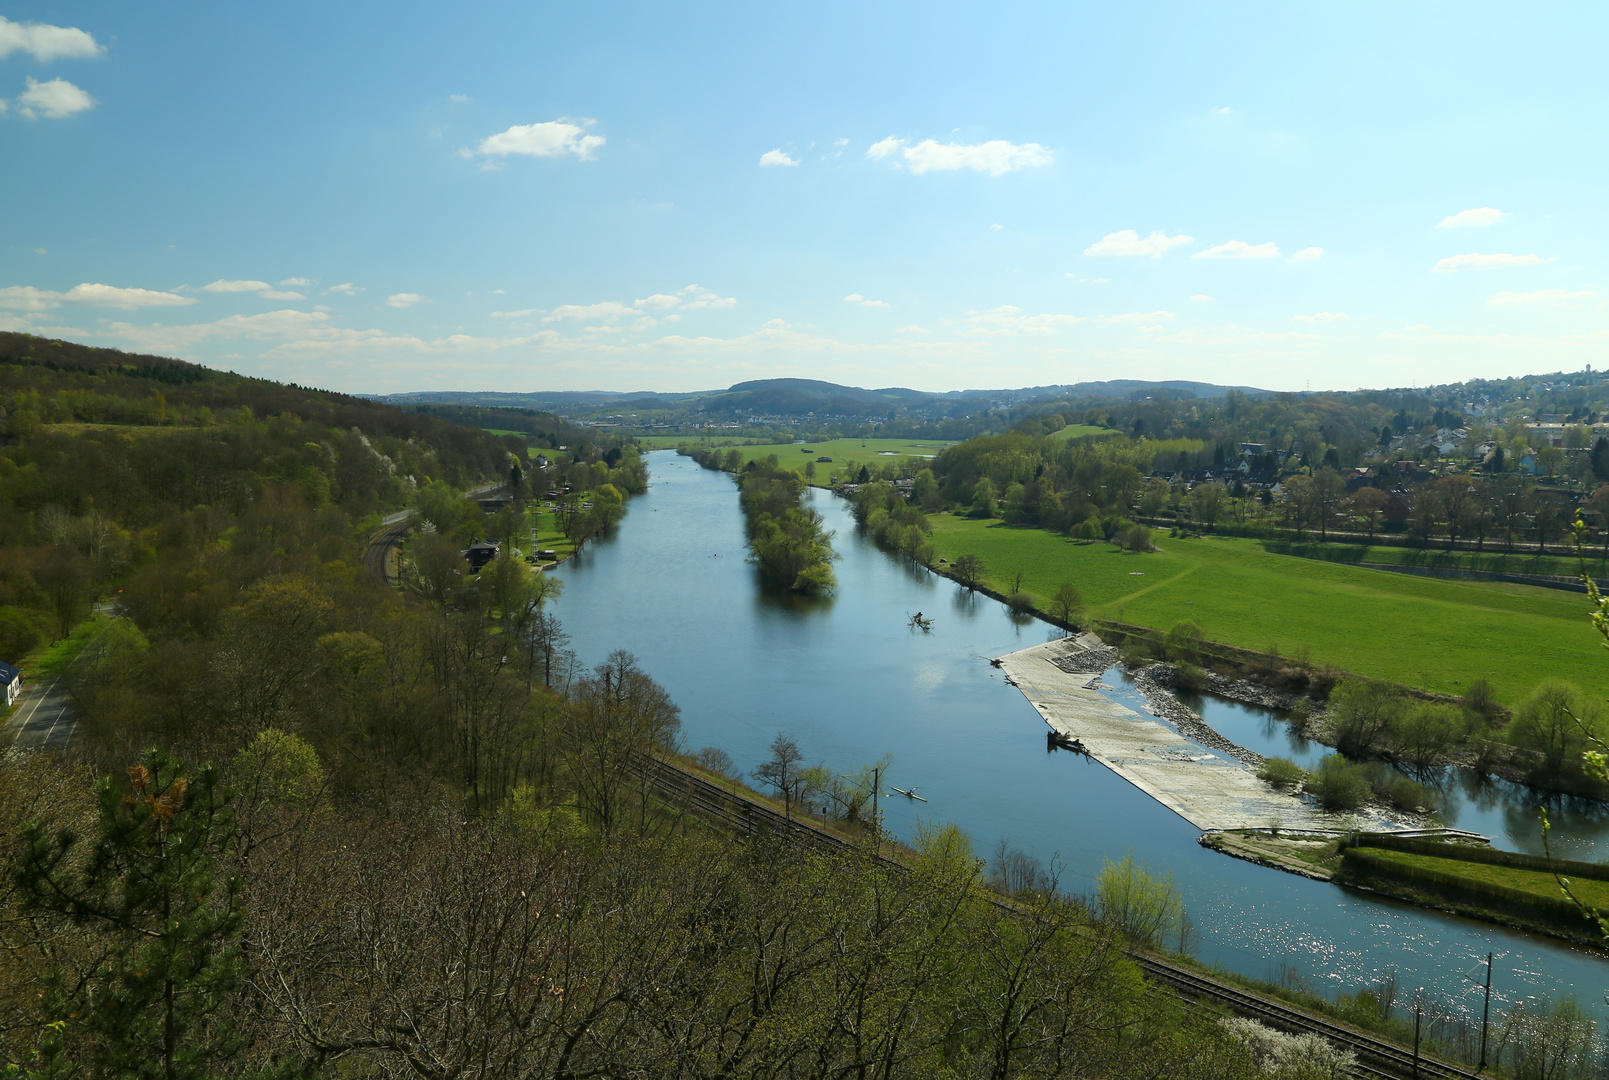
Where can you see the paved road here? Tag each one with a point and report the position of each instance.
(43, 720)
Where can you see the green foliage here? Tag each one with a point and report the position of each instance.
(1365, 715)
(281, 768)
(968, 571)
(1281, 772)
(1183, 642)
(155, 1004)
(1558, 724)
(1067, 604)
(1338, 785)
(1145, 908)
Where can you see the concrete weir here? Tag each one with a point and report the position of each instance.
(1209, 790)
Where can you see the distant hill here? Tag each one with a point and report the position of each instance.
(796, 397)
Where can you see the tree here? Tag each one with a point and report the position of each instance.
(1068, 604)
(1207, 502)
(1328, 491)
(617, 714)
(1600, 460)
(1364, 506)
(1145, 909)
(983, 498)
(156, 1002)
(781, 770)
(968, 571)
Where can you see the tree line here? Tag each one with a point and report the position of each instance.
(788, 541)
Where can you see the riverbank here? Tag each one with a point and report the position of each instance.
(1211, 790)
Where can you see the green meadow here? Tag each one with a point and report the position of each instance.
(1433, 633)
(842, 451)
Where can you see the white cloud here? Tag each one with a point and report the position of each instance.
(996, 228)
(345, 288)
(1540, 296)
(225, 285)
(1321, 317)
(281, 294)
(53, 100)
(555, 138)
(458, 99)
(608, 309)
(1221, 110)
(299, 281)
(1201, 298)
(883, 148)
(995, 157)
(1139, 318)
(1010, 320)
(776, 157)
(657, 302)
(1239, 249)
(28, 298)
(404, 300)
(522, 313)
(913, 329)
(46, 42)
(1128, 242)
(1308, 254)
(1485, 262)
(856, 298)
(1477, 218)
(711, 301)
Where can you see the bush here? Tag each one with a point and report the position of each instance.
(1135, 538)
(1146, 909)
(1365, 714)
(1392, 787)
(1281, 772)
(1425, 733)
(1189, 677)
(1020, 601)
(1550, 725)
(1339, 785)
(1184, 642)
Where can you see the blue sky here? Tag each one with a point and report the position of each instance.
(674, 197)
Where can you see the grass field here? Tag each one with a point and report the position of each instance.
(1073, 431)
(1433, 633)
(1537, 882)
(1518, 562)
(842, 451)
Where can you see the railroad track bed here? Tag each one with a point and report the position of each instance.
(1376, 1057)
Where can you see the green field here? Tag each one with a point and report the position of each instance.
(1514, 562)
(1433, 633)
(1073, 431)
(842, 451)
(1537, 882)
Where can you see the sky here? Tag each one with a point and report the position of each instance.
(538, 196)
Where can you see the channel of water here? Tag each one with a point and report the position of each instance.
(848, 679)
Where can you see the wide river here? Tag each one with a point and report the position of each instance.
(850, 681)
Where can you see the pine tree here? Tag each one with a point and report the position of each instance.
(155, 1004)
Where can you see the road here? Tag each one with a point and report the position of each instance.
(381, 554)
(44, 718)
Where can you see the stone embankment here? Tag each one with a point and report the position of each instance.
(1210, 789)
(1155, 684)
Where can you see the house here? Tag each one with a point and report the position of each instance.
(480, 553)
(10, 683)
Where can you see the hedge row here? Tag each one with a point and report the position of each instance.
(1481, 854)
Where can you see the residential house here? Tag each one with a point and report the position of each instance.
(10, 683)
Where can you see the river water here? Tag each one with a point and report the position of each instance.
(849, 680)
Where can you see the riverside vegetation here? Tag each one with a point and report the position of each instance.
(787, 539)
(419, 850)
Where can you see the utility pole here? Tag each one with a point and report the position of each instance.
(1486, 1014)
(1416, 1042)
(877, 826)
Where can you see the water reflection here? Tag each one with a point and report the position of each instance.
(851, 682)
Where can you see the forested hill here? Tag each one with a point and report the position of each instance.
(181, 484)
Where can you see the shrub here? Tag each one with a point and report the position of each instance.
(1550, 725)
(717, 761)
(1184, 642)
(1145, 909)
(1189, 677)
(1135, 538)
(1425, 733)
(1339, 785)
(1020, 601)
(1391, 786)
(1281, 772)
(1365, 714)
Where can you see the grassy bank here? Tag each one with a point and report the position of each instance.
(1437, 634)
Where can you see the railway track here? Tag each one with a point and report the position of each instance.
(1376, 1057)
(377, 556)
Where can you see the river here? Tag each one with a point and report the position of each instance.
(849, 680)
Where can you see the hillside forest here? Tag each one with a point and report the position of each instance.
(321, 826)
